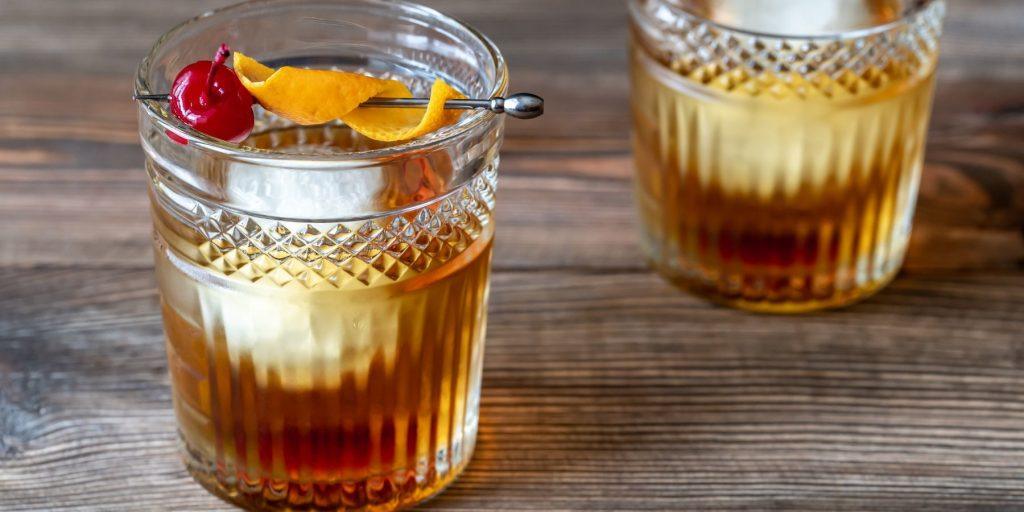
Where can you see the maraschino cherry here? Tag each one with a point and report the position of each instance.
(208, 96)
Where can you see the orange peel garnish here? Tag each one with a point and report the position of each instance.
(317, 96)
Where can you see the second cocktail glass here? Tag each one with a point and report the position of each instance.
(779, 144)
(324, 295)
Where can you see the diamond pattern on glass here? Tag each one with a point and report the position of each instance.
(346, 255)
(735, 61)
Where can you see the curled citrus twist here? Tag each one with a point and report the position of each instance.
(316, 96)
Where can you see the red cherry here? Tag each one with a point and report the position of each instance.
(208, 97)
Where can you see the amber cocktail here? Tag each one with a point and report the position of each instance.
(778, 144)
(324, 295)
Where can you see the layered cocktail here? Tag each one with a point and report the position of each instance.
(323, 292)
(778, 144)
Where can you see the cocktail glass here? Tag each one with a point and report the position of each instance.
(324, 295)
(778, 144)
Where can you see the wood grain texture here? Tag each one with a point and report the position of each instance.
(604, 388)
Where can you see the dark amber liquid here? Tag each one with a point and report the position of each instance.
(773, 193)
(339, 399)
(334, 366)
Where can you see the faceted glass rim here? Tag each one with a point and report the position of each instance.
(272, 158)
(909, 17)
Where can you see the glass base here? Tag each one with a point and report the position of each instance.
(379, 493)
(709, 290)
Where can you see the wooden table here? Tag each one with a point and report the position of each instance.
(604, 388)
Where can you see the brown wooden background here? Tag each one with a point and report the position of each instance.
(604, 388)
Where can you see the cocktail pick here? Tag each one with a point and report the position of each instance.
(521, 105)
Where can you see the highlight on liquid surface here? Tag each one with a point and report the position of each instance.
(800, 17)
(778, 188)
(345, 377)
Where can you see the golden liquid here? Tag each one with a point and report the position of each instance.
(773, 192)
(289, 397)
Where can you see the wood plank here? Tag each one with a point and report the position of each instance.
(111, 36)
(561, 203)
(71, 187)
(571, 51)
(602, 391)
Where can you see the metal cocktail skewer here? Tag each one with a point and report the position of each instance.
(521, 105)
